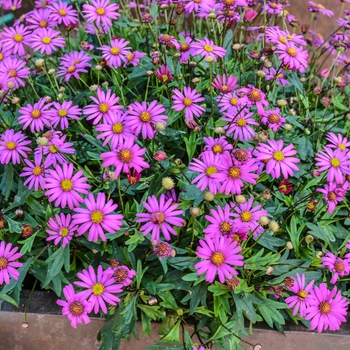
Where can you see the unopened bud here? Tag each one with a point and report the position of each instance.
(319, 255)
(302, 80)
(268, 64)
(60, 96)
(51, 71)
(48, 99)
(105, 84)
(173, 253)
(209, 59)
(159, 156)
(168, 183)
(288, 127)
(15, 100)
(261, 73)
(152, 301)
(195, 80)
(266, 194)
(269, 270)
(309, 239)
(39, 62)
(42, 141)
(19, 212)
(98, 67)
(25, 324)
(289, 245)
(264, 220)
(61, 89)
(273, 226)
(159, 126)
(240, 199)
(93, 88)
(149, 73)
(10, 84)
(195, 211)
(209, 196)
(282, 103)
(219, 130)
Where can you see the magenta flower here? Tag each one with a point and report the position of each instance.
(55, 151)
(79, 58)
(14, 38)
(133, 58)
(336, 162)
(301, 298)
(123, 275)
(185, 50)
(76, 308)
(246, 214)
(231, 175)
(272, 8)
(228, 102)
(96, 29)
(40, 19)
(13, 68)
(206, 167)
(35, 173)
(61, 230)
(127, 156)
(240, 125)
(141, 118)
(8, 264)
(35, 116)
(273, 119)
(12, 146)
(225, 84)
(162, 249)
(64, 187)
(219, 254)
(114, 130)
(161, 215)
(97, 217)
(217, 146)
(105, 104)
(99, 287)
(61, 12)
(337, 141)
(332, 195)
(42, 4)
(116, 53)
(318, 8)
(12, 5)
(327, 308)
(195, 5)
(101, 12)
(340, 267)
(164, 75)
(70, 68)
(45, 40)
(280, 159)
(253, 97)
(293, 57)
(207, 48)
(188, 101)
(61, 113)
(272, 74)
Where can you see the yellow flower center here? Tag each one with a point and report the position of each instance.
(46, 40)
(339, 266)
(187, 102)
(208, 48)
(273, 5)
(325, 308)
(64, 232)
(35, 114)
(224, 87)
(11, 146)
(302, 294)
(225, 227)
(234, 172)
(335, 162)
(114, 51)
(217, 149)
(42, 24)
(37, 170)
(184, 47)
(98, 288)
(233, 101)
(103, 107)
(291, 52)
(125, 155)
(118, 128)
(197, 1)
(241, 122)
(273, 118)
(217, 258)
(130, 57)
(229, 2)
(66, 185)
(76, 308)
(278, 156)
(100, 11)
(158, 217)
(246, 216)
(254, 96)
(71, 69)
(62, 113)
(1, 56)
(18, 38)
(53, 149)
(211, 170)
(12, 73)
(62, 12)
(341, 147)
(96, 217)
(164, 78)
(3, 263)
(145, 117)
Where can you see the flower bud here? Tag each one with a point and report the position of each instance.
(316, 173)
(289, 245)
(149, 73)
(152, 301)
(27, 230)
(48, 99)
(302, 80)
(19, 212)
(160, 155)
(319, 255)
(261, 73)
(159, 126)
(262, 136)
(311, 205)
(173, 253)
(93, 88)
(15, 100)
(317, 90)
(98, 67)
(232, 283)
(266, 194)
(105, 84)
(212, 15)
(59, 96)
(195, 80)
(39, 62)
(268, 64)
(309, 239)
(282, 103)
(209, 196)
(42, 141)
(61, 89)
(114, 263)
(264, 220)
(273, 226)
(269, 270)
(195, 211)
(307, 131)
(209, 59)
(25, 324)
(288, 127)
(240, 199)
(219, 130)
(168, 183)
(51, 71)
(10, 84)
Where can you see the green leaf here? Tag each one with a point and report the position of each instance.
(152, 312)
(7, 180)
(305, 148)
(95, 142)
(294, 233)
(218, 289)
(198, 296)
(8, 299)
(191, 144)
(55, 263)
(174, 334)
(165, 345)
(139, 273)
(14, 227)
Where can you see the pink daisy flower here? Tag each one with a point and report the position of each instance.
(272, 8)
(220, 254)
(96, 29)
(337, 141)
(253, 97)
(116, 53)
(206, 167)
(76, 308)
(340, 267)
(61, 12)
(185, 50)
(35, 116)
(194, 5)
(240, 125)
(71, 68)
(280, 159)
(164, 75)
(246, 214)
(241, 155)
(231, 175)
(161, 216)
(332, 195)
(61, 113)
(217, 146)
(225, 85)
(12, 146)
(272, 74)
(101, 287)
(228, 102)
(188, 101)
(273, 119)
(97, 217)
(43, 4)
(293, 57)
(13, 68)
(40, 19)
(336, 162)
(35, 173)
(79, 58)
(13, 39)
(61, 230)
(133, 58)
(207, 48)
(126, 157)
(123, 275)
(64, 187)
(114, 130)
(327, 308)
(141, 119)
(101, 12)
(318, 8)
(12, 5)
(162, 249)
(45, 40)
(105, 104)
(55, 151)
(8, 264)
(301, 298)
